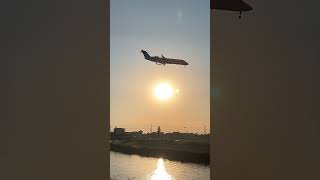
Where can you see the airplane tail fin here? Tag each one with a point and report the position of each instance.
(145, 54)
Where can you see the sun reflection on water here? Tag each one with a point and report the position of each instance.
(160, 173)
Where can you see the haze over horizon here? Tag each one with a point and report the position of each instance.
(176, 29)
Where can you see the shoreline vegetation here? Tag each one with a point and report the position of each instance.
(183, 151)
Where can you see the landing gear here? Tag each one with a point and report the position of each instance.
(163, 64)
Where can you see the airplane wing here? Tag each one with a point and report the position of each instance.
(230, 5)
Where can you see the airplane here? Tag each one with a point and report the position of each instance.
(163, 60)
(230, 5)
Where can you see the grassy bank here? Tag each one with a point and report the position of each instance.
(183, 151)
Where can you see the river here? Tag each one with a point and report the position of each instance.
(134, 167)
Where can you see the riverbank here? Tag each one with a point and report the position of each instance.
(183, 151)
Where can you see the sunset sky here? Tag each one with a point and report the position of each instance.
(177, 29)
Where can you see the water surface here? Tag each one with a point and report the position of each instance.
(134, 167)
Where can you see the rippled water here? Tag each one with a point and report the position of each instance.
(133, 167)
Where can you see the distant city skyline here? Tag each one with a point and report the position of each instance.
(199, 130)
(176, 29)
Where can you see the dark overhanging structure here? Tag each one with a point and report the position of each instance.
(230, 5)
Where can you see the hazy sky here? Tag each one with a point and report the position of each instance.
(177, 29)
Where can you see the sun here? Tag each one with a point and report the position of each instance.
(163, 91)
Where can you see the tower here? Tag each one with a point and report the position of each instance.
(159, 130)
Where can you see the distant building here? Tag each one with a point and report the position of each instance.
(159, 130)
(119, 131)
(134, 133)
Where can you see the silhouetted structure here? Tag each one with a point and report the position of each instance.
(134, 134)
(119, 131)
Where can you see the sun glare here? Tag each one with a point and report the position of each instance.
(163, 91)
(160, 173)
